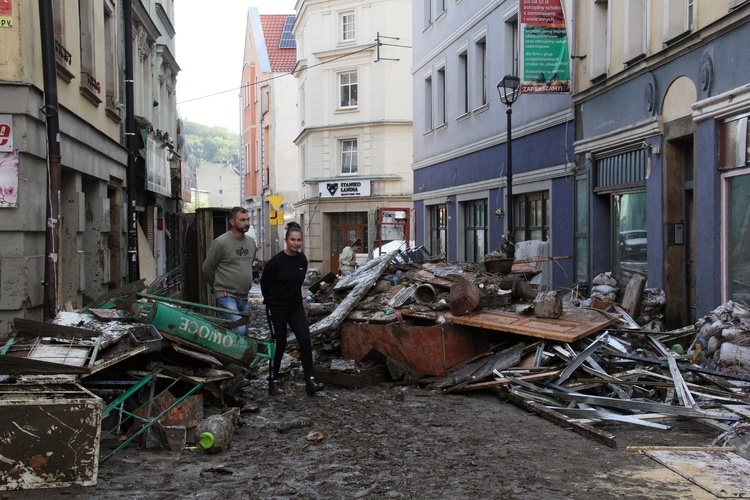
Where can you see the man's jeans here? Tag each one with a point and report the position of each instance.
(234, 304)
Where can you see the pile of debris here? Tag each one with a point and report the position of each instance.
(131, 367)
(726, 336)
(457, 327)
(144, 368)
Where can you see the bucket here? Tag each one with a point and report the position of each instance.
(424, 294)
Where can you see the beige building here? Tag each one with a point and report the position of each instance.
(354, 123)
(90, 256)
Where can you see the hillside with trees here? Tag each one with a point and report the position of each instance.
(204, 144)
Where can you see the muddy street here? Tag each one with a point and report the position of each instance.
(377, 444)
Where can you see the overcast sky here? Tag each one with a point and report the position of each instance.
(209, 45)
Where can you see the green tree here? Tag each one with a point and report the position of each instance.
(204, 144)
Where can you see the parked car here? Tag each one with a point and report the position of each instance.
(633, 244)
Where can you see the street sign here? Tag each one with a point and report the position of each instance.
(275, 201)
(276, 217)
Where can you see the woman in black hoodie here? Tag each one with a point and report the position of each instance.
(281, 284)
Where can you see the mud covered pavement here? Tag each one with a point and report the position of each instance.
(377, 445)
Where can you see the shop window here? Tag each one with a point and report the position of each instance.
(737, 210)
(531, 212)
(630, 245)
(438, 217)
(475, 230)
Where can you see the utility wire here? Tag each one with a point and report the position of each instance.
(367, 47)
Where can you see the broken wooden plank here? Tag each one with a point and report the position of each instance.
(402, 296)
(563, 421)
(364, 281)
(681, 411)
(573, 325)
(721, 473)
(200, 356)
(683, 393)
(506, 381)
(631, 301)
(643, 449)
(593, 413)
(12, 365)
(579, 359)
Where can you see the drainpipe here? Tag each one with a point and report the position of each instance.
(50, 111)
(263, 221)
(131, 143)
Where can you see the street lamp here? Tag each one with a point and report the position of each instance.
(508, 89)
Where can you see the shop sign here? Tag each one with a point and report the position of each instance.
(345, 189)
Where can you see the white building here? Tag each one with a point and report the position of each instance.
(355, 124)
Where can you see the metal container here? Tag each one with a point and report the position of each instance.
(196, 330)
(424, 294)
(49, 436)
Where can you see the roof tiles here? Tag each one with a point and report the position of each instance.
(282, 60)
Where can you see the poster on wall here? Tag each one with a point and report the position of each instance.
(544, 40)
(6, 13)
(9, 179)
(6, 133)
(158, 179)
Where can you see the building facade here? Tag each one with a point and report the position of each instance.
(462, 50)
(90, 256)
(268, 111)
(159, 163)
(354, 125)
(662, 184)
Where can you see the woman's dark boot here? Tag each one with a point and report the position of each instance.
(311, 386)
(274, 388)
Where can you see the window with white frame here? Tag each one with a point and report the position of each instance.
(734, 160)
(348, 156)
(348, 89)
(428, 103)
(480, 71)
(441, 6)
(635, 30)
(110, 48)
(86, 25)
(463, 82)
(599, 40)
(427, 5)
(440, 104)
(347, 27)
(512, 44)
(679, 17)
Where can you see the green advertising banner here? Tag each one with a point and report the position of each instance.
(546, 59)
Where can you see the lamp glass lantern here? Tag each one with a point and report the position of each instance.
(509, 88)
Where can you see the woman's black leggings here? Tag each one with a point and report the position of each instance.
(296, 318)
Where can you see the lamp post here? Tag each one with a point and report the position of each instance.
(508, 88)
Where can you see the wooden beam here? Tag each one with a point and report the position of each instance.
(505, 381)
